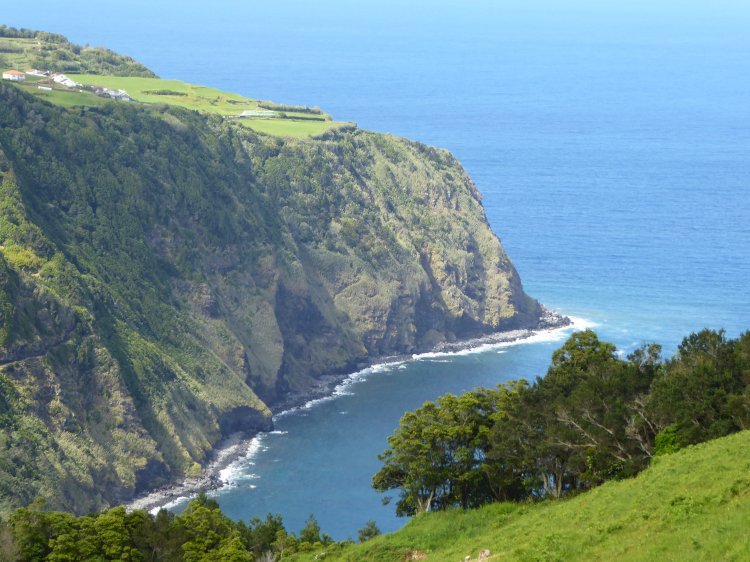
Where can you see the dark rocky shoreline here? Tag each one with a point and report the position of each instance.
(237, 445)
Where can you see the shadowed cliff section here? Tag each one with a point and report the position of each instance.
(167, 276)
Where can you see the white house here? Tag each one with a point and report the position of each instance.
(65, 81)
(121, 95)
(14, 75)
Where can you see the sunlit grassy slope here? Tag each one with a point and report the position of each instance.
(289, 128)
(24, 53)
(154, 90)
(189, 96)
(210, 100)
(692, 505)
(122, 73)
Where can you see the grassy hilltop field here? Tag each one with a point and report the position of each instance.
(299, 122)
(100, 68)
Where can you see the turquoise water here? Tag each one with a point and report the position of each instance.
(611, 143)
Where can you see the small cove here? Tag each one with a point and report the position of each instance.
(340, 436)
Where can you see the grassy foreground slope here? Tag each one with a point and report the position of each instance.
(691, 505)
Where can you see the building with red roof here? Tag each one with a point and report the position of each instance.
(14, 75)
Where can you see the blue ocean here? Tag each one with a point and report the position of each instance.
(610, 140)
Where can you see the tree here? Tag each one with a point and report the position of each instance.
(593, 420)
(580, 425)
(207, 529)
(581, 354)
(285, 543)
(703, 391)
(32, 529)
(310, 533)
(259, 534)
(369, 531)
(436, 455)
(114, 536)
(8, 547)
(513, 461)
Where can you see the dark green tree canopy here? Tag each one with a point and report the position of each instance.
(593, 417)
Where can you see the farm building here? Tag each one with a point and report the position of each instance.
(14, 75)
(65, 81)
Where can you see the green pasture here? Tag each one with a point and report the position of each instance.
(289, 127)
(70, 98)
(198, 98)
(16, 53)
(210, 100)
(60, 95)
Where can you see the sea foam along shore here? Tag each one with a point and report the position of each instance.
(238, 450)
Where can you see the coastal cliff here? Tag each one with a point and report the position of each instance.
(168, 276)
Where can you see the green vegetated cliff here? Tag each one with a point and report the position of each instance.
(167, 276)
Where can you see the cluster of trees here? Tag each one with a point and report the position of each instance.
(593, 417)
(287, 107)
(164, 93)
(54, 52)
(68, 57)
(201, 533)
(23, 33)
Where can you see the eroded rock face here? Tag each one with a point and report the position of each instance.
(162, 287)
(245, 420)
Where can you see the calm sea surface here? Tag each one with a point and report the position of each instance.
(611, 141)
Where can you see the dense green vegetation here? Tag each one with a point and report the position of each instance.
(691, 502)
(202, 533)
(165, 275)
(594, 417)
(692, 505)
(23, 48)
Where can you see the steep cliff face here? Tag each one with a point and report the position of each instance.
(167, 276)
